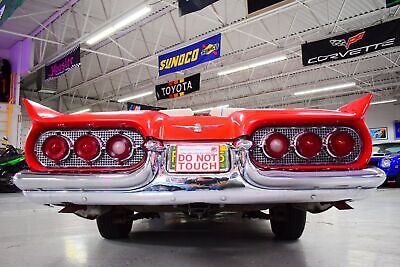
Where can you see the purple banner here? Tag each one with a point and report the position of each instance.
(63, 65)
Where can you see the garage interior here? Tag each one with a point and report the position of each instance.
(260, 66)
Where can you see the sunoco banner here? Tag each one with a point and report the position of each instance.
(190, 56)
(63, 65)
(178, 88)
(352, 44)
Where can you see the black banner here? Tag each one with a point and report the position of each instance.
(257, 6)
(5, 80)
(352, 44)
(179, 87)
(134, 106)
(189, 6)
(390, 3)
(63, 65)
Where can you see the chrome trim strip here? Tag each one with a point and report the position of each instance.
(227, 196)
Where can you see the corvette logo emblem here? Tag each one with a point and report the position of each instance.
(197, 128)
(349, 42)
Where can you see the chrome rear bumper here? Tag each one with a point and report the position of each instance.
(153, 185)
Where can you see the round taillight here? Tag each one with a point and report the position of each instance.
(308, 145)
(340, 144)
(276, 145)
(56, 147)
(87, 147)
(119, 147)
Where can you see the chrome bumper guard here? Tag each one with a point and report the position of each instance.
(243, 184)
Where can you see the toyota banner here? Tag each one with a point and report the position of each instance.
(352, 44)
(177, 88)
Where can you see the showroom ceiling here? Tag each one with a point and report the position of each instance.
(127, 62)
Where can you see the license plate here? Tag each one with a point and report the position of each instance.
(198, 158)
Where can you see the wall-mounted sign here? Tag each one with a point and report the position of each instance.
(379, 133)
(397, 129)
(352, 44)
(255, 7)
(7, 8)
(189, 6)
(390, 3)
(63, 65)
(190, 56)
(179, 87)
(134, 106)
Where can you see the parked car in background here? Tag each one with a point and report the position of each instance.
(386, 156)
(12, 160)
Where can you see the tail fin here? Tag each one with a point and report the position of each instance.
(358, 107)
(37, 112)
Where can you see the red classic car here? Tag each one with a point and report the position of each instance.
(116, 167)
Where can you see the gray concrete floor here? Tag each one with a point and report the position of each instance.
(33, 235)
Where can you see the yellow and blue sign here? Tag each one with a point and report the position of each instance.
(190, 56)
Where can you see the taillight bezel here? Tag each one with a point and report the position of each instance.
(68, 150)
(296, 144)
(292, 160)
(266, 153)
(329, 150)
(100, 147)
(132, 144)
(104, 163)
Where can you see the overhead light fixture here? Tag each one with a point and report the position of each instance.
(384, 101)
(206, 109)
(81, 111)
(253, 65)
(327, 88)
(47, 91)
(134, 96)
(118, 24)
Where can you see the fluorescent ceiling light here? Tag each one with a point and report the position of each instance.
(206, 109)
(134, 96)
(253, 65)
(81, 111)
(118, 24)
(384, 101)
(47, 91)
(327, 88)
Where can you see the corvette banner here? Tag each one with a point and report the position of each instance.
(190, 56)
(352, 44)
(179, 87)
(63, 65)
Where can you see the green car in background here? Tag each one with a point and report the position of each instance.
(12, 160)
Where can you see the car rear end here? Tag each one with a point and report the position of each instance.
(147, 161)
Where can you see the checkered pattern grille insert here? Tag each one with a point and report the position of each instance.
(104, 160)
(291, 158)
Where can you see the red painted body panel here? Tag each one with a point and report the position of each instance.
(240, 123)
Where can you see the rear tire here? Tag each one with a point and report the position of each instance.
(287, 222)
(113, 225)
